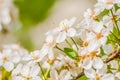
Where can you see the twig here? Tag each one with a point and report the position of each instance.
(79, 75)
(114, 55)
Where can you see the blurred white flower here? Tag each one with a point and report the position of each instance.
(106, 4)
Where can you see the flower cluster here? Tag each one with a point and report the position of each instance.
(89, 51)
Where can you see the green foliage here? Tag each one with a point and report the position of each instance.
(114, 37)
(102, 14)
(83, 78)
(102, 53)
(32, 12)
(71, 53)
(116, 7)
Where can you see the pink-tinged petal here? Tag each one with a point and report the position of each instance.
(61, 37)
(97, 63)
(90, 73)
(71, 32)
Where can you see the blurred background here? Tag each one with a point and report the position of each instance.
(36, 17)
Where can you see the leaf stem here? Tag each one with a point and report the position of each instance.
(74, 43)
(59, 49)
(68, 42)
(43, 76)
(115, 20)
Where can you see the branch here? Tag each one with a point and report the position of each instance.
(79, 75)
(115, 54)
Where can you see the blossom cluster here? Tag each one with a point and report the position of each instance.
(90, 50)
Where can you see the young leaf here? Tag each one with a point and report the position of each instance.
(83, 78)
(102, 14)
(101, 52)
(116, 7)
(71, 53)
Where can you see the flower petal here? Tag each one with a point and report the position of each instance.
(8, 66)
(61, 37)
(71, 32)
(34, 70)
(108, 77)
(25, 70)
(87, 63)
(90, 73)
(97, 63)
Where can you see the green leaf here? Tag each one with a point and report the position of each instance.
(71, 53)
(31, 12)
(102, 53)
(114, 36)
(102, 14)
(83, 78)
(116, 7)
(116, 32)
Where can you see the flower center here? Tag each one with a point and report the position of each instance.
(98, 35)
(35, 58)
(85, 44)
(5, 58)
(92, 54)
(97, 77)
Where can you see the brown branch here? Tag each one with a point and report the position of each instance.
(79, 75)
(115, 54)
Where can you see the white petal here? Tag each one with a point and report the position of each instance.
(17, 70)
(102, 71)
(18, 78)
(65, 75)
(49, 38)
(117, 75)
(8, 66)
(46, 65)
(51, 54)
(87, 63)
(25, 70)
(61, 37)
(36, 78)
(34, 70)
(1, 60)
(97, 63)
(108, 48)
(108, 77)
(71, 32)
(90, 73)
(114, 64)
(54, 74)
